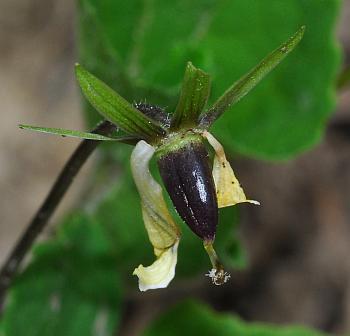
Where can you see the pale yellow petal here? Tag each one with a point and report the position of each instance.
(228, 190)
(161, 228)
(162, 231)
(160, 234)
(160, 273)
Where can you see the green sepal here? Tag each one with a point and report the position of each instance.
(75, 134)
(115, 108)
(240, 88)
(194, 95)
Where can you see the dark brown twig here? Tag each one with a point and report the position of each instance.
(340, 128)
(41, 218)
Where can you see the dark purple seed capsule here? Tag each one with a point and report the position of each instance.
(188, 179)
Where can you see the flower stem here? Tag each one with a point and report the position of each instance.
(44, 213)
(217, 274)
(214, 259)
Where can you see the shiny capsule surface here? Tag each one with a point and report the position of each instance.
(188, 179)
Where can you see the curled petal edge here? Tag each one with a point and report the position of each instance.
(228, 189)
(160, 273)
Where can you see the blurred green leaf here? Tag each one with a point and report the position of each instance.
(73, 134)
(241, 88)
(192, 318)
(69, 288)
(193, 98)
(284, 115)
(115, 108)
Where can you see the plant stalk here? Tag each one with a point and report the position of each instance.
(44, 213)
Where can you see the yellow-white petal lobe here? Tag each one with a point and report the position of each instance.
(228, 190)
(162, 231)
(160, 273)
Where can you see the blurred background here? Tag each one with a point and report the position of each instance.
(298, 243)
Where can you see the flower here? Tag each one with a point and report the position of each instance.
(197, 201)
(178, 142)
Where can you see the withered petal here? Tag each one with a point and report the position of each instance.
(228, 189)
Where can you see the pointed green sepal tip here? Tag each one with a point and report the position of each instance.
(246, 83)
(75, 134)
(115, 108)
(193, 98)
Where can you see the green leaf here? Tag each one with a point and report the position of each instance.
(71, 287)
(194, 95)
(2, 332)
(115, 108)
(74, 134)
(239, 89)
(284, 115)
(193, 318)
